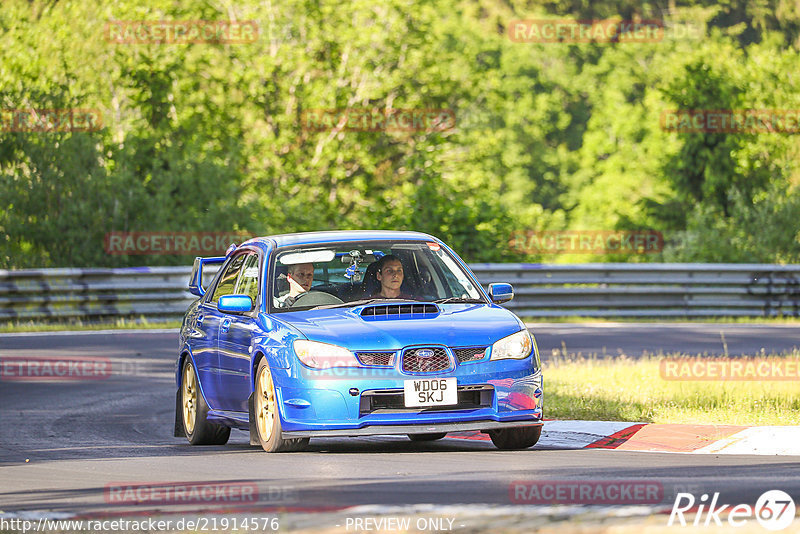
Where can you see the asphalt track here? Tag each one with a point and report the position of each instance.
(66, 446)
(636, 339)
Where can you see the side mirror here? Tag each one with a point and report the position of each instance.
(235, 304)
(500, 293)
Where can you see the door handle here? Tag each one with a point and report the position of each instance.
(226, 324)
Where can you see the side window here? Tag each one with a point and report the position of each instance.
(248, 281)
(227, 283)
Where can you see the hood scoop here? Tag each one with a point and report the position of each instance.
(393, 312)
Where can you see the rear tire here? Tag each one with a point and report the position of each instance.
(194, 411)
(267, 416)
(516, 438)
(427, 437)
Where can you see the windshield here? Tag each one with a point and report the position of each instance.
(356, 272)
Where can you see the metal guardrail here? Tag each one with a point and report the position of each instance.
(649, 289)
(92, 294)
(588, 290)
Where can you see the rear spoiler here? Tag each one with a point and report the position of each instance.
(196, 279)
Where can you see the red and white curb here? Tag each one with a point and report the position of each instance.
(626, 436)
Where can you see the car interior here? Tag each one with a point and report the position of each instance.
(350, 279)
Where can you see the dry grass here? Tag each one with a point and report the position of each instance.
(627, 389)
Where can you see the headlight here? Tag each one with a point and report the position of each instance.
(323, 355)
(516, 346)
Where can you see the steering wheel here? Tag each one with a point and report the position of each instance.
(315, 298)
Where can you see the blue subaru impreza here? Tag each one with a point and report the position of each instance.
(352, 333)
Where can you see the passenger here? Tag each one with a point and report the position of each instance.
(390, 275)
(300, 277)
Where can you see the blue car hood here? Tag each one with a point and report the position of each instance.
(457, 325)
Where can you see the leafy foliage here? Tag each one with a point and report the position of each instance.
(210, 136)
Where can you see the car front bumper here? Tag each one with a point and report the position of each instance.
(375, 430)
(326, 403)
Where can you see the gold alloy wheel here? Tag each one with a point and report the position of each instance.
(265, 404)
(189, 397)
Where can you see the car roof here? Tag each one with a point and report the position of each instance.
(310, 238)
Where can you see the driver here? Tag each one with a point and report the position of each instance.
(300, 277)
(390, 275)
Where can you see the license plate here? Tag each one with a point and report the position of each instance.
(430, 392)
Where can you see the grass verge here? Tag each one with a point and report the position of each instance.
(78, 325)
(626, 389)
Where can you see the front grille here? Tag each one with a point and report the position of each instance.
(417, 360)
(470, 354)
(392, 401)
(375, 358)
(399, 311)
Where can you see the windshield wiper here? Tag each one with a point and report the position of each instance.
(459, 299)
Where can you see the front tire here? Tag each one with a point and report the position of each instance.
(516, 438)
(267, 417)
(194, 411)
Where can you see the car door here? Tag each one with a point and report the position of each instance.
(207, 323)
(234, 340)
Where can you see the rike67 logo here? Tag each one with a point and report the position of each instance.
(774, 510)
